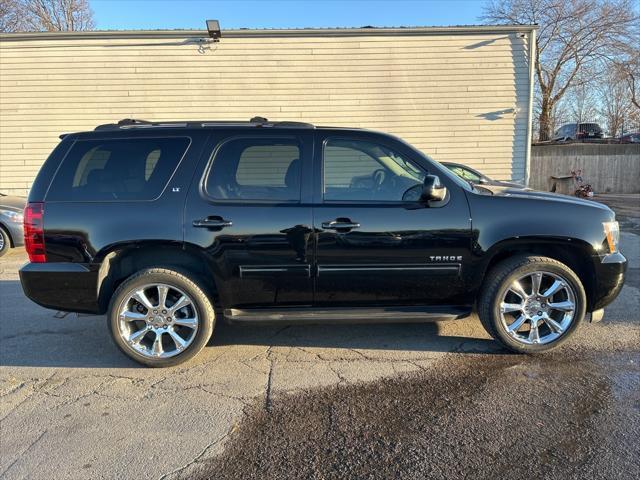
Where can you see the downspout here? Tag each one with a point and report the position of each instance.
(532, 60)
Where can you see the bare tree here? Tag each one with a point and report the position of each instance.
(615, 103)
(45, 15)
(627, 64)
(572, 34)
(11, 19)
(581, 100)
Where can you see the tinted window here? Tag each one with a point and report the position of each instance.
(590, 127)
(126, 169)
(362, 171)
(256, 169)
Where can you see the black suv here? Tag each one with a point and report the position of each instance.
(170, 227)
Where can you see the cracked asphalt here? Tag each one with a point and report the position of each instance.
(435, 400)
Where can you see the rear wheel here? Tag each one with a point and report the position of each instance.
(160, 317)
(532, 304)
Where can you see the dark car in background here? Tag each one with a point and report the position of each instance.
(578, 131)
(474, 176)
(630, 138)
(11, 209)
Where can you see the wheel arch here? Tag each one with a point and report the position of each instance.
(120, 262)
(576, 254)
(6, 230)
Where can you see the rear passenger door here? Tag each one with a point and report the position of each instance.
(250, 212)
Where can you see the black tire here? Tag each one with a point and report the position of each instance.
(502, 276)
(5, 244)
(200, 301)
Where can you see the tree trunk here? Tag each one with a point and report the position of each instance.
(546, 125)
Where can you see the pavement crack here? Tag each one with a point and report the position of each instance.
(358, 352)
(197, 458)
(310, 353)
(341, 378)
(267, 397)
(25, 451)
(36, 388)
(417, 365)
(251, 367)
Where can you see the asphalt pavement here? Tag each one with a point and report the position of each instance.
(437, 400)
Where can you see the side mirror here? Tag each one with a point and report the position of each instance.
(433, 190)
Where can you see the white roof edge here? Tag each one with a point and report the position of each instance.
(244, 33)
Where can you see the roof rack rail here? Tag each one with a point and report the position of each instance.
(127, 123)
(264, 122)
(285, 124)
(133, 121)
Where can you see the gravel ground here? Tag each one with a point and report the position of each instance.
(573, 413)
(361, 401)
(570, 415)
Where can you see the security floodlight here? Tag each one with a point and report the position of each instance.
(213, 27)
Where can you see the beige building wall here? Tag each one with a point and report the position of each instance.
(459, 94)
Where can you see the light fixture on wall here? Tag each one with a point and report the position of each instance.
(213, 27)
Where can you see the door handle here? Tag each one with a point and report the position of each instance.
(340, 224)
(212, 222)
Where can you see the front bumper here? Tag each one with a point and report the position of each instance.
(609, 279)
(71, 287)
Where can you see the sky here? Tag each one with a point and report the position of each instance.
(191, 14)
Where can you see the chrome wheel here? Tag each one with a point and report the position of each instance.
(157, 320)
(538, 308)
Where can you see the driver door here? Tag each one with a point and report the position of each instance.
(374, 245)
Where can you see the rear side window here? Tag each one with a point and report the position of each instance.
(117, 169)
(265, 169)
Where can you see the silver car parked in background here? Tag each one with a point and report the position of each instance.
(11, 233)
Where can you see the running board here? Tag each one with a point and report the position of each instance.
(345, 315)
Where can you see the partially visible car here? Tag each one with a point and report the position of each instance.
(578, 131)
(474, 176)
(630, 138)
(11, 209)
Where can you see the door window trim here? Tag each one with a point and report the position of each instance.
(250, 202)
(371, 203)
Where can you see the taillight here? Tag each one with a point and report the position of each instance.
(34, 232)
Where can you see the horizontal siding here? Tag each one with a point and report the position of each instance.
(461, 97)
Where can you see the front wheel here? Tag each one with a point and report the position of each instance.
(532, 304)
(5, 243)
(160, 317)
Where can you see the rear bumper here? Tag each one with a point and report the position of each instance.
(71, 287)
(609, 279)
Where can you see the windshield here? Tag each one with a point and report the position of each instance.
(466, 184)
(441, 169)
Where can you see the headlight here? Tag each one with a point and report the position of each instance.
(612, 232)
(14, 217)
